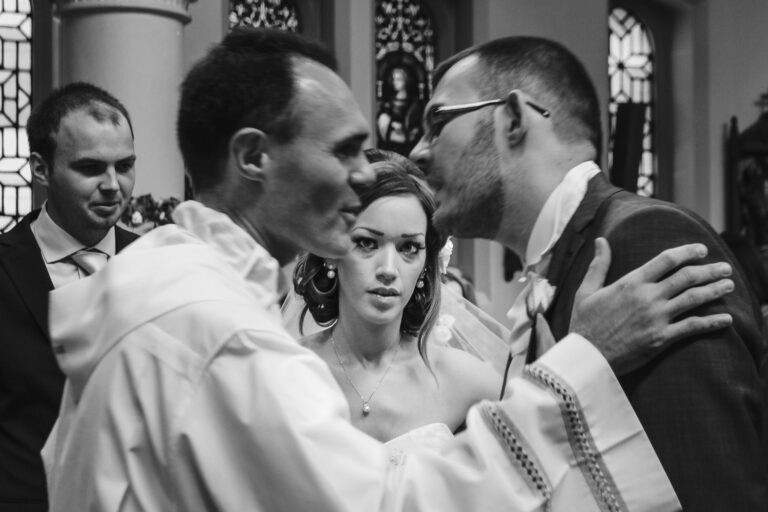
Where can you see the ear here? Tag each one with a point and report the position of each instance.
(247, 148)
(40, 169)
(516, 125)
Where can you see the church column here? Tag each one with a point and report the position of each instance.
(354, 48)
(134, 50)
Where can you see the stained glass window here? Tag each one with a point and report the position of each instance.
(15, 103)
(630, 70)
(280, 14)
(405, 59)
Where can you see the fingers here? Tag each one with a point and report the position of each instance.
(668, 261)
(695, 325)
(699, 295)
(693, 275)
(597, 270)
(626, 362)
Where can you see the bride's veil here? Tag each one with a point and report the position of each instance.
(463, 325)
(460, 325)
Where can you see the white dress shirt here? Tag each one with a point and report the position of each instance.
(550, 223)
(56, 246)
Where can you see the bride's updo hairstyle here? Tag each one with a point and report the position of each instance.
(395, 176)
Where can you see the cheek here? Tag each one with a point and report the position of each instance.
(452, 142)
(411, 273)
(322, 184)
(126, 182)
(354, 274)
(68, 190)
(324, 196)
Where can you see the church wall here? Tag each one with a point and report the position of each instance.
(737, 37)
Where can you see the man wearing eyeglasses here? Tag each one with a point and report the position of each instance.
(512, 134)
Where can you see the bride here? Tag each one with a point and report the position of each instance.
(380, 303)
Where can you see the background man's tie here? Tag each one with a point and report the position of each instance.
(89, 260)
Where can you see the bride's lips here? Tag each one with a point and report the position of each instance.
(385, 292)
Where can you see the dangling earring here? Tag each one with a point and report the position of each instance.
(325, 279)
(420, 282)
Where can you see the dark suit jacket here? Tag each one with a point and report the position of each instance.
(703, 401)
(30, 380)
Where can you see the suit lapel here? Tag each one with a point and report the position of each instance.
(26, 269)
(576, 233)
(20, 257)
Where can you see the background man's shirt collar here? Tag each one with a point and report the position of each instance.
(55, 243)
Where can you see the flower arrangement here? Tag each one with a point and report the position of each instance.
(445, 256)
(145, 213)
(540, 293)
(441, 333)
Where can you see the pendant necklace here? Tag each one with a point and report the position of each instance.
(366, 409)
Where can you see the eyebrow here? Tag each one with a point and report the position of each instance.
(91, 161)
(356, 138)
(379, 233)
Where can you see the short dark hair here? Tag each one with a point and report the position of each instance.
(246, 80)
(548, 71)
(46, 117)
(395, 176)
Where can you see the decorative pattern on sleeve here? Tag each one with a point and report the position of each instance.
(520, 453)
(585, 452)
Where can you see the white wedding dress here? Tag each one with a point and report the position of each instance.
(427, 437)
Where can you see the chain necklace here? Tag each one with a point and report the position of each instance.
(366, 409)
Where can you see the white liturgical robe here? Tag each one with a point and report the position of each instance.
(185, 393)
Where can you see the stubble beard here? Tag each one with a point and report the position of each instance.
(474, 206)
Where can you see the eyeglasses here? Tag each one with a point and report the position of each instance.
(438, 117)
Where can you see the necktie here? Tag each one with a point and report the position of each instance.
(89, 261)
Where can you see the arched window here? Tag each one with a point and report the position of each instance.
(280, 14)
(405, 59)
(16, 94)
(631, 74)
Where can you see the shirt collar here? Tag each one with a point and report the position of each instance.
(557, 212)
(235, 245)
(56, 244)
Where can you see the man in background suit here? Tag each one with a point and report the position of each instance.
(512, 134)
(81, 144)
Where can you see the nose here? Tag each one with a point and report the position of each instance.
(362, 172)
(420, 155)
(386, 271)
(109, 180)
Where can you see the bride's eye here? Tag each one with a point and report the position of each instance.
(364, 243)
(411, 248)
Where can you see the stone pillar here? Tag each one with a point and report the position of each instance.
(133, 49)
(355, 52)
